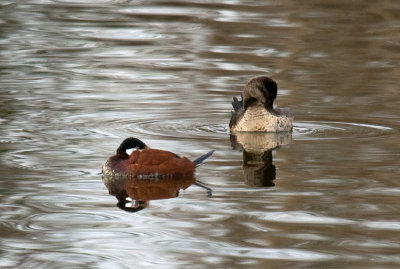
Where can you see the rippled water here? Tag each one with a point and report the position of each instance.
(77, 77)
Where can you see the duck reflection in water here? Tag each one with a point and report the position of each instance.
(258, 167)
(142, 190)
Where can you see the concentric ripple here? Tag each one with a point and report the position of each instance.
(182, 128)
(311, 130)
(303, 130)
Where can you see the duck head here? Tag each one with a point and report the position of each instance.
(260, 90)
(130, 144)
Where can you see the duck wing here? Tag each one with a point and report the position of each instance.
(160, 162)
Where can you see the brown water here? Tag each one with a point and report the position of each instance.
(76, 78)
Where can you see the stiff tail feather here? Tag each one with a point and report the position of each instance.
(202, 158)
(236, 103)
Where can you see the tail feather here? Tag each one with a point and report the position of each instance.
(236, 103)
(202, 158)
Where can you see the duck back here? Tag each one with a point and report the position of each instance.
(149, 163)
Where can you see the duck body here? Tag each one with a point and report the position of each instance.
(148, 163)
(257, 119)
(135, 159)
(255, 112)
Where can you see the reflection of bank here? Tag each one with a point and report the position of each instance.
(258, 168)
(142, 190)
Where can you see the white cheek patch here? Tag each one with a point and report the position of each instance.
(129, 151)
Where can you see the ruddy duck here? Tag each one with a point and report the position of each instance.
(256, 113)
(135, 159)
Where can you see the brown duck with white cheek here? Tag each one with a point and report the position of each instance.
(256, 113)
(135, 159)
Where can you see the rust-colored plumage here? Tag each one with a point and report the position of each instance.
(146, 162)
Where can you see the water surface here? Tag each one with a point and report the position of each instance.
(77, 77)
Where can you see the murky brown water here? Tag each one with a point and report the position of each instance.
(76, 78)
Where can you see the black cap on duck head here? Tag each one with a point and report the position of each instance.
(260, 90)
(130, 143)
